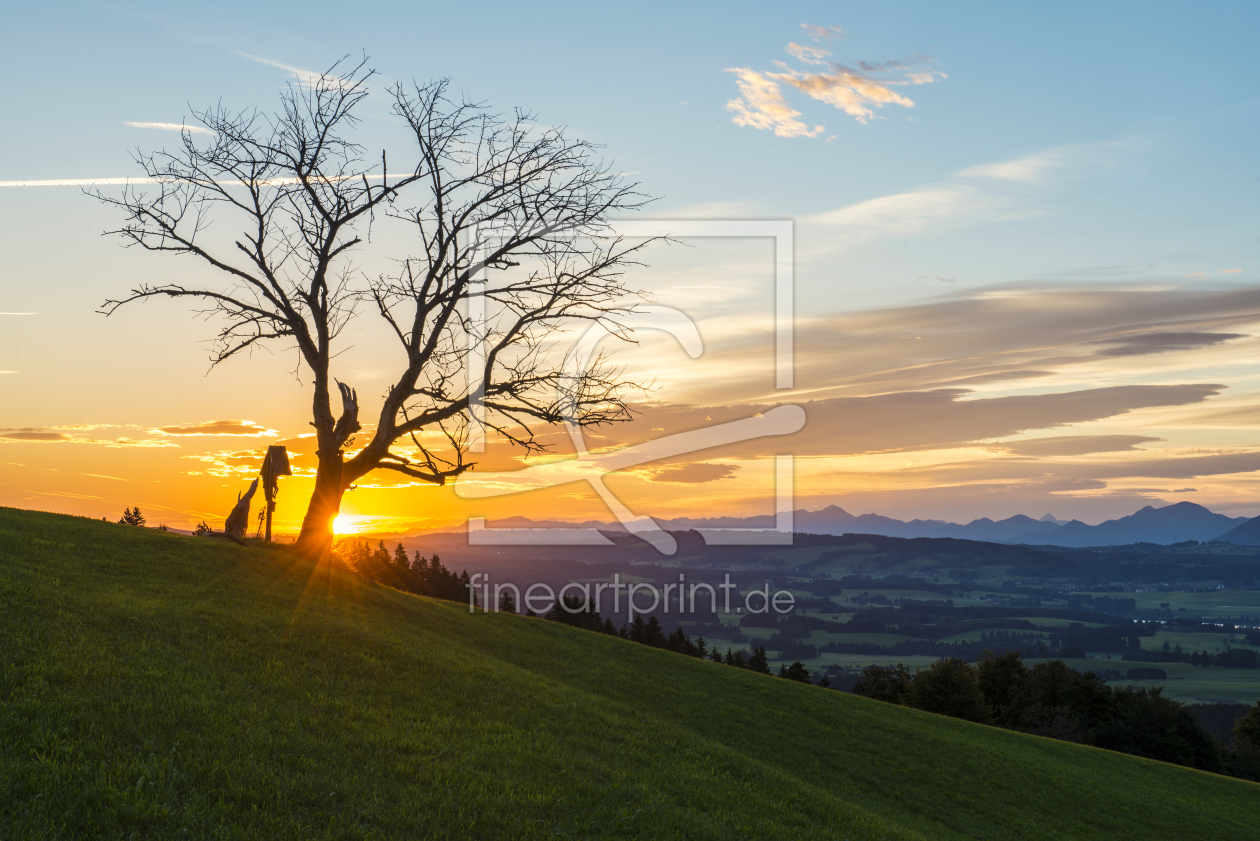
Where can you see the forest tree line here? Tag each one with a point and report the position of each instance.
(1056, 701)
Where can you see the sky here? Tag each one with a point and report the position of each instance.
(1025, 252)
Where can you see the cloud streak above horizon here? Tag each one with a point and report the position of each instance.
(180, 127)
(243, 428)
(306, 78)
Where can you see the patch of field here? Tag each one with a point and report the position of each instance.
(918, 595)
(974, 636)
(861, 661)
(1213, 603)
(1056, 622)
(1185, 683)
(1195, 641)
(797, 556)
(822, 637)
(914, 565)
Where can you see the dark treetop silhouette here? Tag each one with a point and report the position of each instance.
(503, 211)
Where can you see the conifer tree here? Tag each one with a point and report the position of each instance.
(796, 672)
(889, 684)
(757, 662)
(653, 634)
(949, 687)
(132, 517)
(1003, 679)
(1247, 729)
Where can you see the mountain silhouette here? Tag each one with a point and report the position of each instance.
(1246, 534)
(1171, 524)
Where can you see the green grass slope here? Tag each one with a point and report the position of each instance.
(154, 686)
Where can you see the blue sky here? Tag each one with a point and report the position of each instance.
(1152, 107)
(1058, 147)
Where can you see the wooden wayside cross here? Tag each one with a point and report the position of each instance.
(275, 464)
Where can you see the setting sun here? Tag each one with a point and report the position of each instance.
(343, 525)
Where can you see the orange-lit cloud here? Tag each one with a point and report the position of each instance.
(761, 106)
(693, 474)
(854, 90)
(33, 435)
(243, 428)
(56, 435)
(1074, 445)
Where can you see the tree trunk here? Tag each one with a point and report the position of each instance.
(315, 540)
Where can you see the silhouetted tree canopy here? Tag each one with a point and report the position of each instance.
(504, 216)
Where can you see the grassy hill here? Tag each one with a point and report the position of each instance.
(161, 686)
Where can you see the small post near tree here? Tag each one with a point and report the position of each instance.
(505, 216)
(238, 520)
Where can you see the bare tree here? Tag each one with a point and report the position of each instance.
(511, 220)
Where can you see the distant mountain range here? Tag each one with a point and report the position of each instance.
(1171, 524)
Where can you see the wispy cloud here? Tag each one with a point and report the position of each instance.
(1144, 343)
(1075, 445)
(85, 427)
(696, 473)
(144, 182)
(809, 55)
(306, 78)
(854, 90)
(1028, 168)
(984, 192)
(54, 435)
(170, 127)
(761, 105)
(73, 182)
(822, 33)
(910, 212)
(243, 428)
(33, 434)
